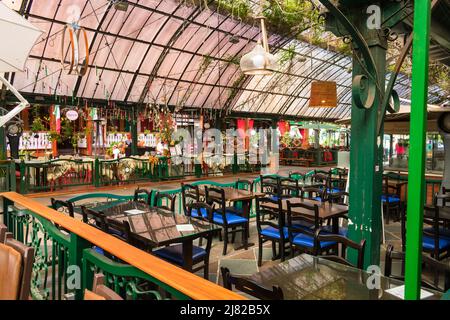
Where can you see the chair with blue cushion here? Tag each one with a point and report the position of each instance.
(343, 245)
(269, 230)
(227, 218)
(270, 186)
(168, 199)
(301, 237)
(435, 239)
(391, 199)
(191, 194)
(174, 253)
(143, 195)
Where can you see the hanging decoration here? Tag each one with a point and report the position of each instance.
(323, 94)
(74, 31)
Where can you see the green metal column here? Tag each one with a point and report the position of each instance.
(366, 164)
(2, 143)
(134, 133)
(416, 163)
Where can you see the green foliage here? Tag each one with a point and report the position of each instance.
(66, 129)
(291, 16)
(287, 55)
(236, 8)
(37, 125)
(54, 136)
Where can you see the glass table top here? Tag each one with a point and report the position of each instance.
(314, 278)
(157, 226)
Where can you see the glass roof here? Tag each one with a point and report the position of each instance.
(162, 51)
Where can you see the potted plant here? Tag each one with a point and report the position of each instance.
(37, 126)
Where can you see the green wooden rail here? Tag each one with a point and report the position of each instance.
(7, 176)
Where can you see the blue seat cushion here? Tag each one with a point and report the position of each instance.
(333, 190)
(303, 224)
(272, 232)
(318, 199)
(230, 217)
(174, 254)
(390, 198)
(304, 240)
(342, 231)
(99, 250)
(204, 213)
(428, 243)
(443, 232)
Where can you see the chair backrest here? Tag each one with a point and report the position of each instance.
(3, 230)
(216, 196)
(431, 218)
(189, 194)
(26, 266)
(337, 197)
(244, 185)
(119, 229)
(169, 198)
(200, 207)
(143, 195)
(310, 214)
(270, 185)
(313, 192)
(100, 291)
(289, 187)
(98, 217)
(11, 271)
(344, 243)
(63, 206)
(250, 287)
(263, 211)
(438, 269)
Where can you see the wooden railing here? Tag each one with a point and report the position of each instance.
(82, 237)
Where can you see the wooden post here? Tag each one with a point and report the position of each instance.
(53, 128)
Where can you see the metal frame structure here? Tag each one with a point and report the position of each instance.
(168, 69)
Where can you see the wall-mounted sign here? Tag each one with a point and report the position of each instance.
(72, 115)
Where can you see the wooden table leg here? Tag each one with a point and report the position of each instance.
(246, 214)
(187, 255)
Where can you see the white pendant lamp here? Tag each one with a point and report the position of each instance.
(259, 61)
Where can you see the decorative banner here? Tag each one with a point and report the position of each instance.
(74, 36)
(57, 114)
(323, 94)
(72, 115)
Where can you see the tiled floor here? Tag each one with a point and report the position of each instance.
(240, 262)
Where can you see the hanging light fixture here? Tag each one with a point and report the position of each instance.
(259, 61)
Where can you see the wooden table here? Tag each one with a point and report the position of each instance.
(315, 278)
(327, 210)
(158, 227)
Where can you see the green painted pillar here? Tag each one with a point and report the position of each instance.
(134, 134)
(2, 143)
(416, 164)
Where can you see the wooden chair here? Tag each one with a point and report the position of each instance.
(276, 232)
(303, 229)
(174, 253)
(143, 195)
(289, 188)
(438, 268)
(391, 199)
(100, 291)
(191, 194)
(228, 218)
(250, 287)
(16, 265)
(343, 243)
(313, 193)
(270, 186)
(169, 198)
(63, 206)
(242, 184)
